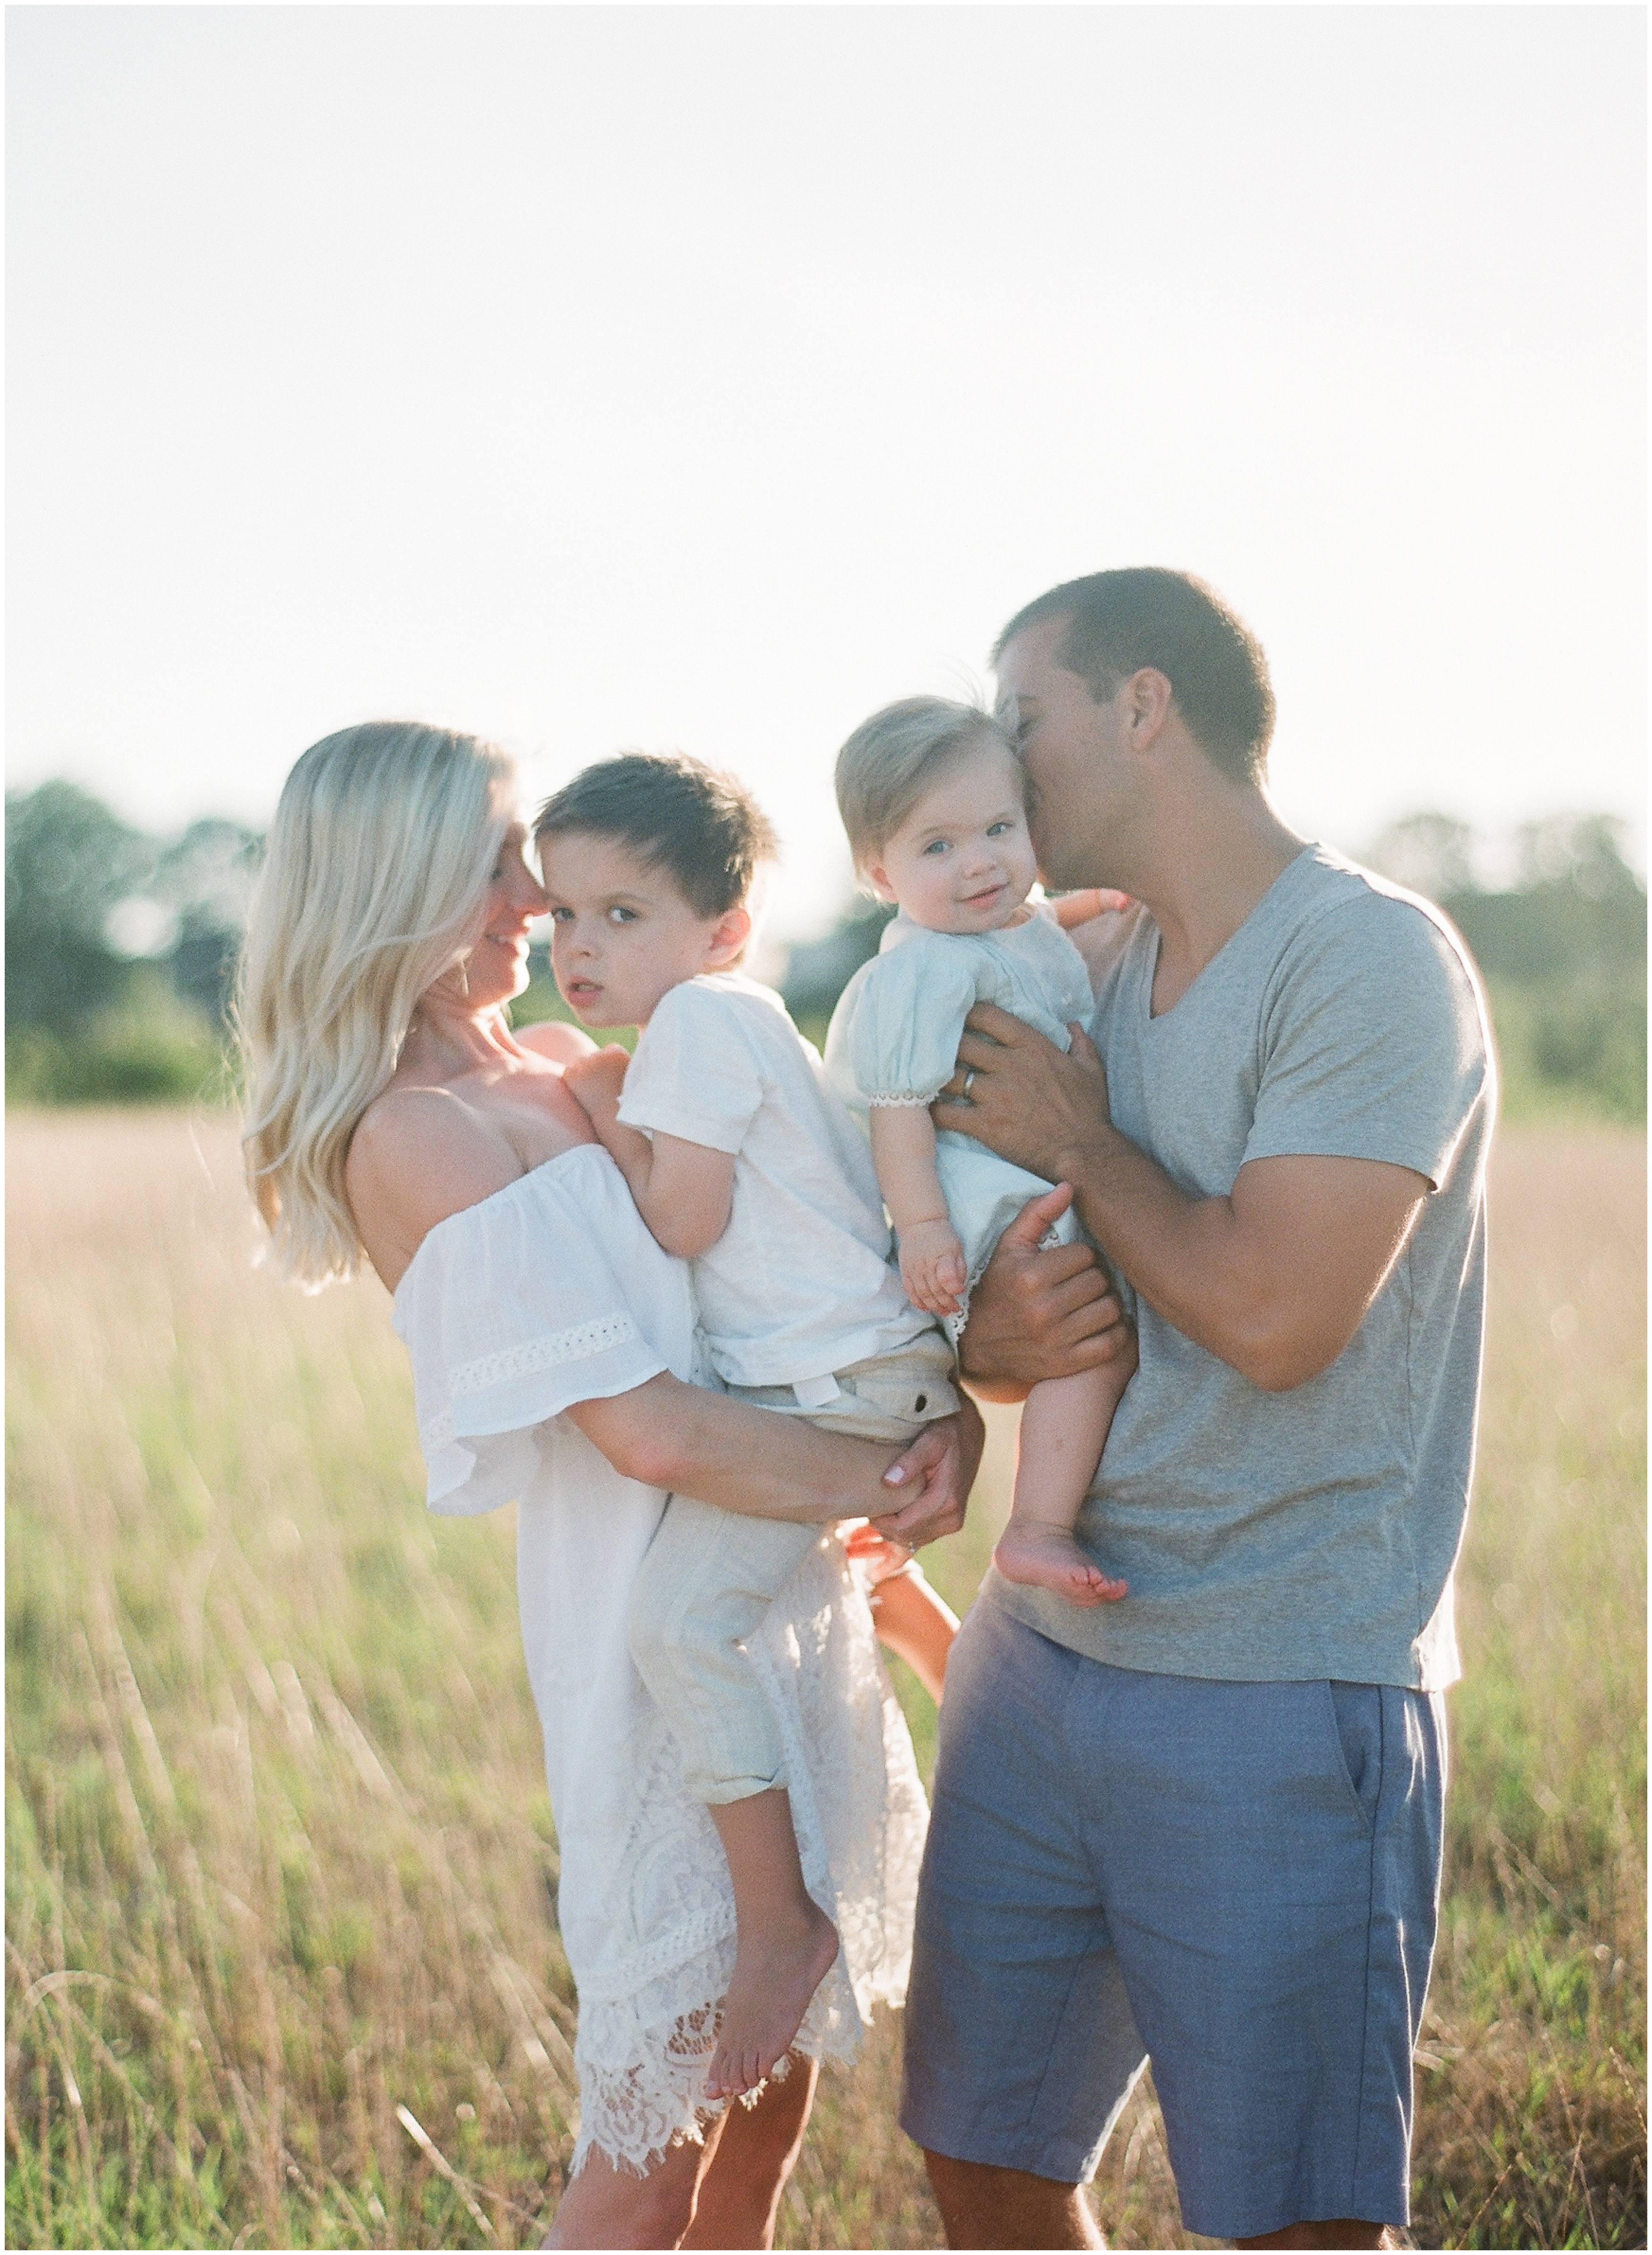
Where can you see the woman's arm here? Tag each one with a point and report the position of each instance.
(767, 1467)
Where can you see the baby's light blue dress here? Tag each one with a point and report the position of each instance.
(894, 1040)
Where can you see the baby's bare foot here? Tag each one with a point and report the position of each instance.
(1049, 1558)
(777, 1970)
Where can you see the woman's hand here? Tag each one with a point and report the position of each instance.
(940, 1464)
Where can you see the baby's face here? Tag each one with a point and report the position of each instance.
(622, 934)
(962, 860)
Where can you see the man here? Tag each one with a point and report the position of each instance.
(1204, 1824)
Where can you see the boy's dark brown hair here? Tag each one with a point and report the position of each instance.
(701, 826)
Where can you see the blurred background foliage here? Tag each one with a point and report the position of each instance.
(120, 952)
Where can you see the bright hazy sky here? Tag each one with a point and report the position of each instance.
(706, 376)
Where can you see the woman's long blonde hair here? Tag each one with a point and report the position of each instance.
(378, 869)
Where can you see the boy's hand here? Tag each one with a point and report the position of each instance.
(932, 1266)
(597, 1080)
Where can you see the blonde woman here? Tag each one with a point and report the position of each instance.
(394, 1118)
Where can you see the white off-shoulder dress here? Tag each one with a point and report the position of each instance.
(552, 1292)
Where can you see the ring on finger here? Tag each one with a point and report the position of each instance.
(969, 1081)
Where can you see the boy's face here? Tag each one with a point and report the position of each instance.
(622, 934)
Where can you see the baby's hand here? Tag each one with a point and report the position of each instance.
(932, 1266)
(597, 1080)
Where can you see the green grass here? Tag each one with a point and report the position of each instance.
(279, 1851)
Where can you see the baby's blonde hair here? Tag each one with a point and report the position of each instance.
(903, 751)
(379, 861)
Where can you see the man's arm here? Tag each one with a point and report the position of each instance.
(1274, 1279)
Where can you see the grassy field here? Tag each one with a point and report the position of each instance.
(281, 1968)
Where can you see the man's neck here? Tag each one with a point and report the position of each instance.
(1206, 863)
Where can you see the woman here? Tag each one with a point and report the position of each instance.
(393, 1116)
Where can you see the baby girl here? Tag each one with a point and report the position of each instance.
(934, 799)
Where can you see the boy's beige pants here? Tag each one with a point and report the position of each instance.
(709, 1576)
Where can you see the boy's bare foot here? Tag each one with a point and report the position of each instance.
(1049, 1558)
(779, 1965)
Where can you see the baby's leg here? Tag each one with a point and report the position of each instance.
(703, 1588)
(1064, 1424)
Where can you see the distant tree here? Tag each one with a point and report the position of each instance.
(1581, 851)
(1429, 854)
(205, 879)
(70, 864)
(819, 970)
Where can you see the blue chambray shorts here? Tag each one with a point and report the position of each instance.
(1238, 1881)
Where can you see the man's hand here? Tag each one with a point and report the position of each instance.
(1028, 1100)
(1040, 1311)
(944, 1459)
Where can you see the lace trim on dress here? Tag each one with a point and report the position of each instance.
(575, 1345)
(648, 2011)
(892, 1101)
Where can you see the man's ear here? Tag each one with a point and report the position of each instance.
(728, 937)
(1146, 704)
(881, 889)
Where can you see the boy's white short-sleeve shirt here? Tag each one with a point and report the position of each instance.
(800, 1284)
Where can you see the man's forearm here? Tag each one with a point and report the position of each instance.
(1186, 1256)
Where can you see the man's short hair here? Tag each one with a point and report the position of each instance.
(702, 827)
(1119, 620)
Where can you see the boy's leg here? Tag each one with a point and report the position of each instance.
(703, 1588)
(1063, 1426)
(705, 1583)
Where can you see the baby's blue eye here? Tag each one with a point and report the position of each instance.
(937, 845)
(997, 829)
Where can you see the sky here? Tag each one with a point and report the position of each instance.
(706, 376)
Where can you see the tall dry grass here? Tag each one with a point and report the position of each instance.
(282, 1969)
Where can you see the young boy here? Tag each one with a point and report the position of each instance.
(743, 1160)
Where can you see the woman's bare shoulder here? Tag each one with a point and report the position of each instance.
(420, 1155)
(551, 1038)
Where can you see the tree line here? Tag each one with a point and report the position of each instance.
(121, 947)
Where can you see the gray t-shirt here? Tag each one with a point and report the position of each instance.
(1287, 1536)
